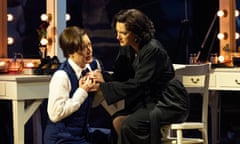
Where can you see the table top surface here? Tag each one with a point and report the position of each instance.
(213, 69)
(22, 77)
(227, 69)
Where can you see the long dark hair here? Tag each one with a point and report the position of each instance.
(136, 22)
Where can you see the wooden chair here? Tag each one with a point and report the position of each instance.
(196, 80)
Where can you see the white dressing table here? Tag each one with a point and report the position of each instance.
(19, 89)
(221, 79)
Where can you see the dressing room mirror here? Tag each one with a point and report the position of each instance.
(238, 24)
(26, 21)
(23, 23)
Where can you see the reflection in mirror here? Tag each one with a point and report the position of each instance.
(16, 27)
(238, 24)
(26, 21)
(23, 27)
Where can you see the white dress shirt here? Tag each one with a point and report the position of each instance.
(60, 105)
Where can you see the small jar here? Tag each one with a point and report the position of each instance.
(214, 58)
(191, 59)
(194, 58)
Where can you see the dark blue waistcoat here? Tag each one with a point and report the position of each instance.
(78, 118)
(73, 128)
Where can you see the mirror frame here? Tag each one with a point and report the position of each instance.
(58, 23)
(3, 29)
(227, 24)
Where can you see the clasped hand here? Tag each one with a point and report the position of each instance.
(91, 81)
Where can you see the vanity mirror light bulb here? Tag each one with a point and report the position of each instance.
(221, 59)
(46, 17)
(68, 17)
(236, 13)
(222, 13)
(44, 41)
(10, 17)
(10, 40)
(237, 36)
(222, 36)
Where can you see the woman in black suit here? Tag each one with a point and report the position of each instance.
(144, 77)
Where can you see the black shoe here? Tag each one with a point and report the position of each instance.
(54, 65)
(45, 63)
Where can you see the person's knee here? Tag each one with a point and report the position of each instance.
(126, 126)
(117, 123)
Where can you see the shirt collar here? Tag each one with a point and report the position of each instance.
(78, 70)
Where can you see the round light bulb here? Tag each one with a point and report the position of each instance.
(221, 36)
(237, 36)
(68, 17)
(44, 17)
(10, 40)
(236, 13)
(221, 59)
(44, 41)
(221, 13)
(10, 17)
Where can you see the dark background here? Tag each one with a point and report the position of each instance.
(181, 25)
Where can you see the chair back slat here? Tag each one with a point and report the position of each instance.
(195, 78)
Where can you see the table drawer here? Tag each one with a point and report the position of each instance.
(2, 89)
(228, 80)
(212, 80)
(193, 81)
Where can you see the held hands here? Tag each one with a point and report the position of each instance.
(98, 76)
(91, 81)
(87, 83)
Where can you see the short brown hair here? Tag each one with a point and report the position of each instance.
(70, 40)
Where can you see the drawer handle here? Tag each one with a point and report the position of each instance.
(237, 82)
(195, 80)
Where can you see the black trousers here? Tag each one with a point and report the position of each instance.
(136, 128)
(143, 126)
